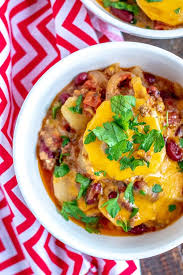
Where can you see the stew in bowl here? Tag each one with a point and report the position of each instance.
(110, 151)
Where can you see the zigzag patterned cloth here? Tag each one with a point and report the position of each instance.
(34, 35)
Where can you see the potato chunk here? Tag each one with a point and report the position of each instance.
(75, 120)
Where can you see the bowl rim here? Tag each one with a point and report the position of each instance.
(17, 165)
(104, 15)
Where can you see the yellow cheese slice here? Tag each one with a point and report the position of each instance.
(97, 156)
(167, 11)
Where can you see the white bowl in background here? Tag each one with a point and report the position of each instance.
(151, 59)
(104, 15)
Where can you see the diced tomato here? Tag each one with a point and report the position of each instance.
(92, 99)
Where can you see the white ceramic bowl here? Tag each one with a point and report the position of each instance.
(151, 59)
(97, 9)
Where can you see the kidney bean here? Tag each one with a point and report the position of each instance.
(174, 152)
(80, 78)
(179, 131)
(153, 91)
(112, 195)
(150, 78)
(124, 15)
(121, 187)
(139, 184)
(93, 192)
(139, 229)
(44, 148)
(104, 221)
(63, 97)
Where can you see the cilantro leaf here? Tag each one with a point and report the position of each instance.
(77, 108)
(91, 229)
(61, 171)
(112, 206)
(124, 224)
(116, 151)
(171, 207)
(124, 119)
(91, 137)
(142, 192)
(180, 163)
(98, 173)
(146, 128)
(126, 162)
(157, 188)
(124, 6)
(65, 140)
(110, 133)
(128, 195)
(85, 182)
(71, 209)
(134, 212)
(181, 142)
(147, 140)
(122, 103)
(63, 155)
(55, 109)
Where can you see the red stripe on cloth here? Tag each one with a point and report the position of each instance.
(7, 160)
(29, 218)
(3, 101)
(2, 248)
(66, 44)
(109, 264)
(2, 42)
(55, 259)
(69, 25)
(77, 259)
(19, 256)
(27, 271)
(130, 269)
(35, 256)
(57, 6)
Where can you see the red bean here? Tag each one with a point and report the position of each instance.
(139, 184)
(80, 78)
(93, 192)
(139, 229)
(121, 186)
(44, 148)
(124, 15)
(174, 152)
(63, 97)
(179, 131)
(112, 195)
(104, 221)
(153, 91)
(150, 78)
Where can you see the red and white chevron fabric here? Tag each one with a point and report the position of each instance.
(34, 35)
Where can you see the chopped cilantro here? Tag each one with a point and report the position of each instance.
(71, 209)
(134, 212)
(116, 151)
(84, 184)
(126, 162)
(65, 140)
(77, 108)
(112, 206)
(142, 192)
(61, 171)
(110, 133)
(91, 137)
(124, 224)
(98, 173)
(121, 104)
(63, 155)
(91, 228)
(146, 128)
(177, 11)
(171, 207)
(180, 163)
(128, 195)
(157, 188)
(55, 110)
(181, 142)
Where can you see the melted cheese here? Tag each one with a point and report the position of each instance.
(97, 156)
(167, 11)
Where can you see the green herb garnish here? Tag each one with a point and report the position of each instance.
(134, 212)
(65, 140)
(98, 173)
(84, 184)
(77, 108)
(142, 192)
(177, 11)
(171, 207)
(128, 195)
(61, 171)
(124, 224)
(157, 188)
(112, 206)
(55, 110)
(91, 137)
(181, 142)
(126, 162)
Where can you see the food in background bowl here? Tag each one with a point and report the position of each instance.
(110, 151)
(158, 15)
